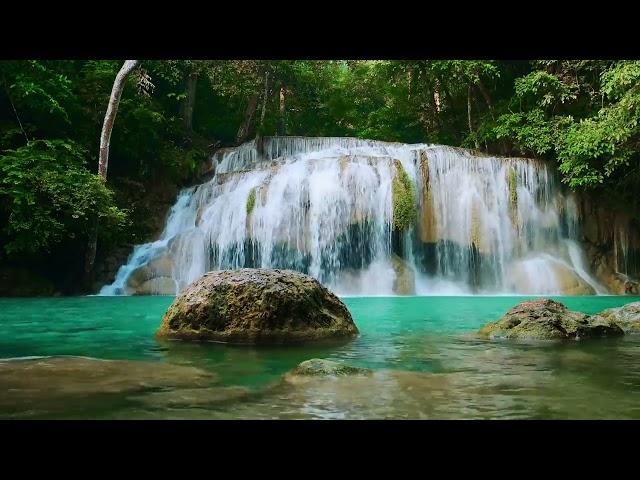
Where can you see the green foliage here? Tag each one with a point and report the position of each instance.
(603, 147)
(582, 114)
(403, 198)
(48, 196)
(622, 79)
(530, 132)
(543, 89)
(38, 87)
(251, 201)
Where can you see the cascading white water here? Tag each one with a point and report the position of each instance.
(325, 206)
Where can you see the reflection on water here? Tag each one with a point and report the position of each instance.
(426, 364)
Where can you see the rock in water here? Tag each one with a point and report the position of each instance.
(317, 367)
(257, 306)
(545, 319)
(405, 282)
(627, 317)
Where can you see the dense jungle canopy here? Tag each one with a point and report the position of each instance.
(579, 114)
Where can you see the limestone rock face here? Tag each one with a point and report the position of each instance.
(156, 286)
(154, 278)
(627, 317)
(257, 306)
(557, 276)
(570, 283)
(545, 319)
(405, 282)
(611, 240)
(603, 265)
(427, 219)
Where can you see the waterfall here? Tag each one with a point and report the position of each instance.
(324, 206)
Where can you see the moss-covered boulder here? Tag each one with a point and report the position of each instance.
(545, 319)
(251, 306)
(626, 317)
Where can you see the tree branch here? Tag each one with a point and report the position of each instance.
(14, 109)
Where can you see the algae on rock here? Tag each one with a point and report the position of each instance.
(326, 368)
(512, 180)
(251, 306)
(626, 317)
(404, 199)
(545, 319)
(251, 201)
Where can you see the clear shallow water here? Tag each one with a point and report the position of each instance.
(427, 362)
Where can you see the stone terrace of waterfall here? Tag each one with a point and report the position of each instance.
(325, 206)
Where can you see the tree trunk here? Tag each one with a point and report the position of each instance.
(103, 161)
(90, 253)
(469, 114)
(189, 102)
(245, 128)
(4, 83)
(264, 97)
(436, 96)
(469, 108)
(282, 127)
(110, 116)
(485, 95)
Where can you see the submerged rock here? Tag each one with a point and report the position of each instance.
(317, 367)
(68, 386)
(330, 390)
(627, 317)
(194, 397)
(85, 375)
(257, 306)
(545, 319)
